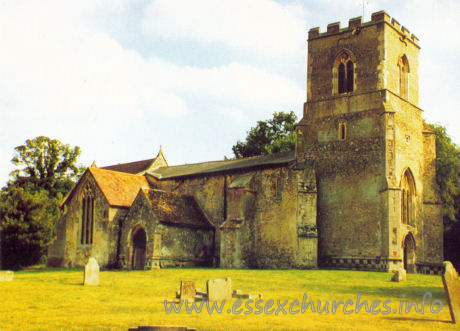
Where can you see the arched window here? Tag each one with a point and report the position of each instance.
(408, 198)
(403, 66)
(87, 215)
(279, 189)
(342, 130)
(344, 73)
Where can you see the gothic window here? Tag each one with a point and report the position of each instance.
(342, 133)
(345, 71)
(403, 66)
(408, 199)
(87, 216)
(278, 188)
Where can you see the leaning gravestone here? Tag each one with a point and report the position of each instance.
(6, 276)
(187, 290)
(91, 275)
(399, 276)
(219, 289)
(452, 288)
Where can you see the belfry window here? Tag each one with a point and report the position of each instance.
(403, 66)
(407, 199)
(346, 72)
(87, 216)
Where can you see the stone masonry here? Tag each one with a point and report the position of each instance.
(358, 192)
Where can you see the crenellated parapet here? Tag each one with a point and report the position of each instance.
(356, 24)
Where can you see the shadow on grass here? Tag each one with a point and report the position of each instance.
(49, 270)
(417, 319)
(410, 291)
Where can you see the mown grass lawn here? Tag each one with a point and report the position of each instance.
(55, 299)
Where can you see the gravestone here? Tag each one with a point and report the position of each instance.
(91, 275)
(6, 276)
(399, 276)
(255, 296)
(187, 290)
(219, 289)
(452, 288)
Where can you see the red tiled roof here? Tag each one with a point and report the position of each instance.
(131, 167)
(120, 189)
(181, 210)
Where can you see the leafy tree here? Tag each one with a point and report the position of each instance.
(47, 163)
(29, 204)
(27, 220)
(448, 179)
(267, 137)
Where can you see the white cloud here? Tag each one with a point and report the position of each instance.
(66, 70)
(63, 70)
(258, 25)
(62, 78)
(238, 83)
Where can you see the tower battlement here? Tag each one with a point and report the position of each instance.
(355, 24)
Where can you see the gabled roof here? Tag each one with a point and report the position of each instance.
(222, 166)
(131, 167)
(179, 210)
(120, 189)
(139, 167)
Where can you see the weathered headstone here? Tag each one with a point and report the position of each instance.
(6, 276)
(91, 275)
(452, 288)
(219, 289)
(399, 276)
(255, 296)
(187, 290)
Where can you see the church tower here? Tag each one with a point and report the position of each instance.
(363, 132)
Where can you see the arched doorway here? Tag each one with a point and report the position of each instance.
(409, 253)
(139, 243)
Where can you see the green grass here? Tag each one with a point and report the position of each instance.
(55, 299)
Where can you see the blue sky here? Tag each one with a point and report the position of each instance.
(120, 78)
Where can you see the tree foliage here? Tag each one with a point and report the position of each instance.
(448, 173)
(268, 137)
(448, 179)
(27, 220)
(29, 204)
(47, 163)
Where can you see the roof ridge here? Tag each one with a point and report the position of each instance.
(118, 164)
(117, 172)
(230, 160)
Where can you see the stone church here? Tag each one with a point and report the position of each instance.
(358, 192)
